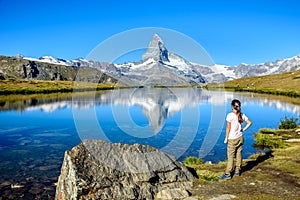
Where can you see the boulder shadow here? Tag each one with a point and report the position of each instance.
(193, 171)
(261, 158)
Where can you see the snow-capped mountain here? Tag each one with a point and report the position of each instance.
(222, 73)
(159, 66)
(279, 66)
(59, 61)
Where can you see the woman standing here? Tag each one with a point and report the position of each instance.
(234, 138)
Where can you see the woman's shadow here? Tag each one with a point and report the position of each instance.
(261, 158)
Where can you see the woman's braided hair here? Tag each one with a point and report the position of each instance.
(240, 114)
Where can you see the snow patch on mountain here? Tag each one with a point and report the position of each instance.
(51, 60)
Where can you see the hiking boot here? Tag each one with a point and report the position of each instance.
(237, 173)
(225, 176)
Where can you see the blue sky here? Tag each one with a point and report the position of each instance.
(230, 31)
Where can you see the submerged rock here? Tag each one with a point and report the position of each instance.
(97, 169)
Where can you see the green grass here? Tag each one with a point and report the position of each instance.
(204, 171)
(207, 175)
(257, 156)
(287, 160)
(267, 131)
(287, 84)
(26, 87)
(259, 196)
(268, 141)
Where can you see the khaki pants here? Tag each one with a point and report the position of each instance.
(234, 148)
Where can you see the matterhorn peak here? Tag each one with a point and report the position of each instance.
(156, 50)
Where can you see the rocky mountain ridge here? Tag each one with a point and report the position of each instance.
(16, 67)
(159, 66)
(214, 73)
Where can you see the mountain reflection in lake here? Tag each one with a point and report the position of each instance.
(36, 131)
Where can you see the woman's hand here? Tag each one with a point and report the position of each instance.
(226, 140)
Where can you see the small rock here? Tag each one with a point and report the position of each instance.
(191, 198)
(46, 168)
(258, 170)
(31, 166)
(252, 183)
(176, 193)
(16, 186)
(223, 197)
(48, 188)
(293, 140)
(208, 162)
(5, 183)
(30, 179)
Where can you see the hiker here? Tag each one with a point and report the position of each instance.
(234, 138)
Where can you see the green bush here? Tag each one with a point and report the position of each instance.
(192, 161)
(288, 123)
(268, 141)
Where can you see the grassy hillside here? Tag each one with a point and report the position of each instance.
(280, 84)
(18, 86)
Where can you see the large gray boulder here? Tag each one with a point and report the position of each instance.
(97, 169)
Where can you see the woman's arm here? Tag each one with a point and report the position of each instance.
(249, 123)
(228, 126)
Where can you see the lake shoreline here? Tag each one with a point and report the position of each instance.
(289, 93)
(69, 87)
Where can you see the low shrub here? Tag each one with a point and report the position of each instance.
(192, 161)
(288, 123)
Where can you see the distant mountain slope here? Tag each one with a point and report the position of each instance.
(222, 73)
(287, 83)
(16, 67)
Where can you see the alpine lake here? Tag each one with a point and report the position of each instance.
(36, 130)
